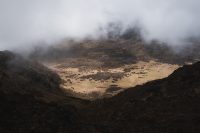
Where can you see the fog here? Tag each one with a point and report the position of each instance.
(23, 23)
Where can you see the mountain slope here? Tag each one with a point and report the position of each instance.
(168, 105)
(31, 100)
(16, 73)
(37, 105)
(112, 52)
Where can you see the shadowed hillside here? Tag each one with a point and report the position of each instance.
(31, 100)
(168, 105)
(120, 49)
(31, 104)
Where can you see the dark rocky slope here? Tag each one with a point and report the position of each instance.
(31, 102)
(20, 75)
(169, 105)
(119, 51)
(30, 99)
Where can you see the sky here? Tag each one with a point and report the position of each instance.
(24, 23)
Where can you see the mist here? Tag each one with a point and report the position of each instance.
(24, 23)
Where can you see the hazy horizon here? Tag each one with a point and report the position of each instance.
(26, 22)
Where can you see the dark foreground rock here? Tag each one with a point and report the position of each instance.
(169, 105)
(31, 100)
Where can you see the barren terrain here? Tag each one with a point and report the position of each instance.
(97, 82)
(95, 69)
(32, 101)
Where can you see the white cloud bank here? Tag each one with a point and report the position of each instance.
(24, 22)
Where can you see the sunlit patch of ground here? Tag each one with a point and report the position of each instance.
(91, 80)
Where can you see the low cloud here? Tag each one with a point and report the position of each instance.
(26, 22)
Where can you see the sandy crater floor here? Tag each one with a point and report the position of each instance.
(86, 80)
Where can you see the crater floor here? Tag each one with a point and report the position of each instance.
(98, 82)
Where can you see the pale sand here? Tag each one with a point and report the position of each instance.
(143, 72)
